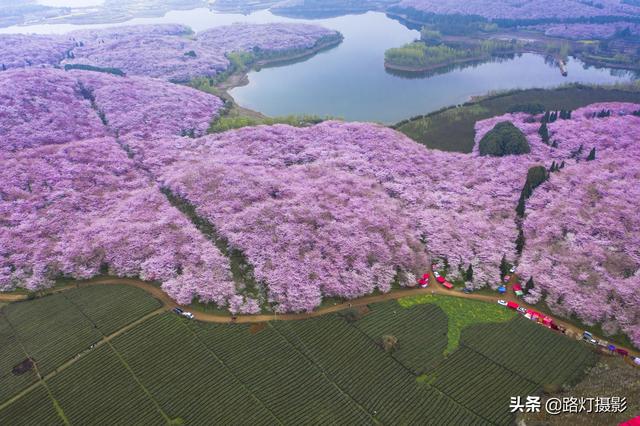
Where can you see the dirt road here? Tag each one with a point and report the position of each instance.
(434, 288)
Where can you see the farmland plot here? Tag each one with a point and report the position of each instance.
(111, 307)
(34, 408)
(421, 332)
(480, 384)
(98, 389)
(11, 354)
(185, 378)
(533, 351)
(279, 375)
(51, 329)
(382, 385)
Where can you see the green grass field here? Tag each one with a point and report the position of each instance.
(452, 129)
(461, 313)
(327, 370)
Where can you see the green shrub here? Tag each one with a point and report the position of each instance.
(528, 108)
(114, 71)
(504, 139)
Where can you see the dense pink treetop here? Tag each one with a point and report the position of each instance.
(308, 227)
(70, 209)
(523, 9)
(147, 108)
(40, 107)
(49, 106)
(588, 31)
(582, 227)
(583, 129)
(170, 52)
(257, 184)
(20, 50)
(582, 231)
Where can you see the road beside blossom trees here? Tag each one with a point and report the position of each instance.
(336, 209)
(581, 227)
(81, 208)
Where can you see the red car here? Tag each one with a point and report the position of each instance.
(447, 285)
(441, 279)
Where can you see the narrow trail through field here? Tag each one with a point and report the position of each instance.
(106, 339)
(168, 303)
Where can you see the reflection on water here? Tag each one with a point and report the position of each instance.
(350, 80)
(448, 68)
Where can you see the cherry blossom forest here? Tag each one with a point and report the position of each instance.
(336, 209)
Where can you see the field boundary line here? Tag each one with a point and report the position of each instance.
(317, 366)
(522, 376)
(203, 316)
(226, 367)
(40, 382)
(139, 382)
(408, 370)
(121, 360)
(79, 356)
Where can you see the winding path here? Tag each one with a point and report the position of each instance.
(434, 288)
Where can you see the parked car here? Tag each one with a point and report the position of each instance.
(522, 310)
(588, 337)
(436, 274)
(513, 269)
(467, 290)
(178, 311)
(188, 315)
(502, 302)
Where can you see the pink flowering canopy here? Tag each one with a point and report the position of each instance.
(581, 227)
(337, 209)
(523, 9)
(49, 106)
(588, 31)
(170, 51)
(273, 192)
(75, 208)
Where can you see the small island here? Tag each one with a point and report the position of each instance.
(431, 52)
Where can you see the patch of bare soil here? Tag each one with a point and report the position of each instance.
(24, 367)
(257, 327)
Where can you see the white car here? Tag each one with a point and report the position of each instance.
(502, 302)
(513, 269)
(522, 310)
(188, 315)
(436, 274)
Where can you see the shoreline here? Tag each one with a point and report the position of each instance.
(240, 78)
(435, 67)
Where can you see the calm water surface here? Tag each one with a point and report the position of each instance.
(350, 81)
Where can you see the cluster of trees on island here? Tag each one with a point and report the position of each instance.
(423, 55)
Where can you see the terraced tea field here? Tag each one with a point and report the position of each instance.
(327, 370)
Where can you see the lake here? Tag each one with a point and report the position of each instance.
(350, 81)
